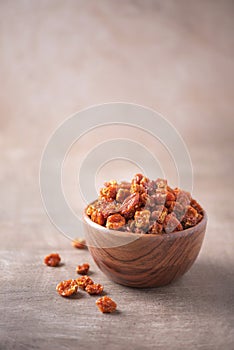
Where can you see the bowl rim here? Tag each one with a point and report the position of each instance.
(174, 234)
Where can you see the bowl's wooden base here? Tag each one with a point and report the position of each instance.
(150, 260)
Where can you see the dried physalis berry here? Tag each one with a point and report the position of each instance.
(82, 269)
(84, 281)
(130, 204)
(90, 209)
(122, 194)
(156, 228)
(160, 197)
(106, 304)
(192, 217)
(52, 259)
(98, 217)
(170, 197)
(94, 289)
(162, 216)
(79, 243)
(137, 179)
(142, 219)
(137, 188)
(144, 181)
(161, 184)
(67, 288)
(196, 206)
(172, 224)
(109, 191)
(115, 221)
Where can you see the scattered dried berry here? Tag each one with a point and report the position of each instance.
(52, 259)
(94, 288)
(145, 206)
(84, 281)
(106, 304)
(79, 243)
(67, 288)
(70, 287)
(82, 269)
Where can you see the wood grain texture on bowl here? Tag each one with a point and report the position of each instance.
(144, 260)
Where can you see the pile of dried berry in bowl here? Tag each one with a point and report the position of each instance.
(144, 206)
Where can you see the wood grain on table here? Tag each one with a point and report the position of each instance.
(57, 57)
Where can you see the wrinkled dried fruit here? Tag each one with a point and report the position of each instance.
(122, 194)
(109, 208)
(196, 206)
(67, 288)
(162, 216)
(115, 221)
(156, 228)
(191, 217)
(147, 200)
(82, 269)
(144, 181)
(160, 197)
(84, 281)
(161, 184)
(179, 210)
(130, 204)
(90, 209)
(98, 217)
(109, 192)
(106, 304)
(170, 206)
(94, 289)
(110, 183)
(170, 197)
(137, 188)
(52, 260)
(182, 197)
(142, 219)
(79, 243)
(137, 179)
(171, 224)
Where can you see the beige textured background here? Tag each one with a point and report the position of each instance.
(57, 57)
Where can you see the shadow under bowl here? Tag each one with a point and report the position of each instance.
(143, 260)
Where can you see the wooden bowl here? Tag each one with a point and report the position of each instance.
(143, 260)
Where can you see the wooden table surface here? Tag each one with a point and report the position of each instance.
(57, 57)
